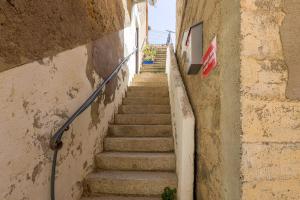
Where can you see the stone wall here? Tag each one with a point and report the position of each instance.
(270, 121)
(247, 111)
(215, 99)
(37, 98)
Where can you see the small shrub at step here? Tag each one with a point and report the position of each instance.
(169, 194)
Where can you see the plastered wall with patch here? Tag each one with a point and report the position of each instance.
(37, 97)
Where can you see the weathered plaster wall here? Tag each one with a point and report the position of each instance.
(36, 98)
(32, 30)
(183, 124)
(215, 99)
(270, 121)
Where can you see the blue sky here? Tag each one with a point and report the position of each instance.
(162, 17)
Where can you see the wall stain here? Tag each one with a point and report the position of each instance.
(36, 120)
(25, 105)
(11, 189)
(103, 55)
(36, 171)
(72, 92)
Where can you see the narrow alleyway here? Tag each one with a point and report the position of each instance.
(138, 161)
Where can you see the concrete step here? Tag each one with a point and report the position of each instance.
(144, 109)
(153, 70)
(160, 57)
(115, 197)
(154, 65)
(148, 83)
(130, 182)
(160, 62)
(147, 93)
(140, 130)
(162, 70)
(139, 144)
(136, 161)
(146, 101)
(150, 67)
(143, 88)
(158, 80)
(143, 119)
(150, 76)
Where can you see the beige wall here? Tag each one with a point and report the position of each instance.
(215, 99)
(36, 98)
(246, 111)
(270, 121)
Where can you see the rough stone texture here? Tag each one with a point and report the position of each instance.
(215, 100)
(270, 121)
(32, 30)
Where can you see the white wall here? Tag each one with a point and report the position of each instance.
(183, 122)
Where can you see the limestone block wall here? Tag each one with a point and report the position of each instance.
(270, 120)
(37, 98)
(247, 110)
(215, 99)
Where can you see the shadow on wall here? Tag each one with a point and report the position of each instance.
(31, 30)
(105, 54)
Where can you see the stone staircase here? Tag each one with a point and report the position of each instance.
(159, 65)
(138, 160)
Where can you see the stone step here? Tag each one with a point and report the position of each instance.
(130, 182)
(148, 83)
(146, 101)
(136, 161)
(160, 62)
(147, 93)
(116, 197)
(143, 88)
(144, 109)
(142, 79)
(143, 119)
(153, 71)
(153, 65)
(140, 130)
(139, 144)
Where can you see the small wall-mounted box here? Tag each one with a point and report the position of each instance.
(192, 44)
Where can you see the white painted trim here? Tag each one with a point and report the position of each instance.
(183, 124)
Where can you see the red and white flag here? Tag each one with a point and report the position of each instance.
(209, 60)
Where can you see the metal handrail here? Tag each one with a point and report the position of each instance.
(55, 141)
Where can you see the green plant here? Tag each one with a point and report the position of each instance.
(169, 194)
(149, 53)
